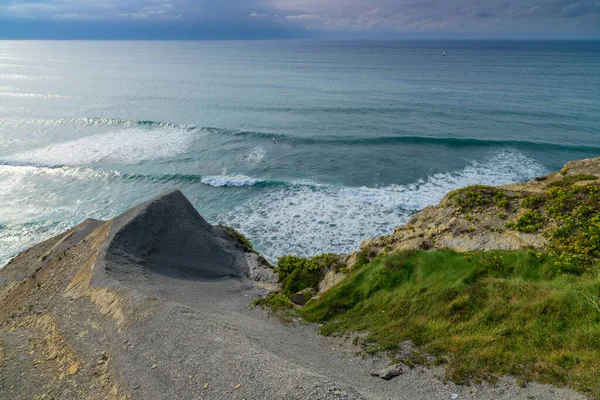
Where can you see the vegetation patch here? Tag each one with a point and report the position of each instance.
(534, 201)
(569, 217)
(572, 179)
(299, 273)
(238, 237)
(501, 200)
(476, 196)
(530, 221)
(487, 313)
(275, 302)
(575, 239)
(279, 305)
(361, 259)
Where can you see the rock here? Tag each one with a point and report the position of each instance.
(259, 269)
(368, 242)
(302, 297)
(588, 166)
(331, 279)
(298, 298)
(166, 235)
(72, 369)
(389, 372)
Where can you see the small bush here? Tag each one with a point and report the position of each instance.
(501, 200)
(361, 259)
(274, 301)
(530, 221)
(477, 196)
(238, 237)
(298, 273)
(576, 238)
(533, 201)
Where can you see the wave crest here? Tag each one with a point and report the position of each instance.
(307, 220)
(231, 181)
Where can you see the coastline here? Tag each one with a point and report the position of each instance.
(155, 303)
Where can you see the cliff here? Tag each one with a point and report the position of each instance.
(487, 218)
(154, 304)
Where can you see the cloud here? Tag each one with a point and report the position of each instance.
(303, 17)
(441, 15)
(423, 16)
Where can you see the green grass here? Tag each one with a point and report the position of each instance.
(489, 313)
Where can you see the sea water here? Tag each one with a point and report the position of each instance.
(304, 146)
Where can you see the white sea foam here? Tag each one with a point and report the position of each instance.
(25, 77)
(125, 146)
(15, 238)
(22, 184)
(33, 95)
(43, 213)
(255, 156)
(230, 180)
(307, 220)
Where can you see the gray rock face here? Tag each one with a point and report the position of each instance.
(166, 235)
(258, 270)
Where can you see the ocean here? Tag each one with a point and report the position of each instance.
(304, 146)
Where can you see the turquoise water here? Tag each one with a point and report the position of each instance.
(367, 132)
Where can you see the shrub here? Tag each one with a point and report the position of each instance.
(238, 237)
(533, 201)
(476, 196)
(298, 273)
(274, 301)
(576, 238)
(501, 200)
(529, 221)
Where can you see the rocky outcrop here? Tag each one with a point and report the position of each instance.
(166, 235)
(478, 218)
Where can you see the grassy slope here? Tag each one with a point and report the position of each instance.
(533, 315)
(492, 313)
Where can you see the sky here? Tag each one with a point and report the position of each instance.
(287, 19)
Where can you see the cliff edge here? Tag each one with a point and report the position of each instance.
(476, 218)
(154, 304)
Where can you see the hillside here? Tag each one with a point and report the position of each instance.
(492, 281)
(157, 303)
